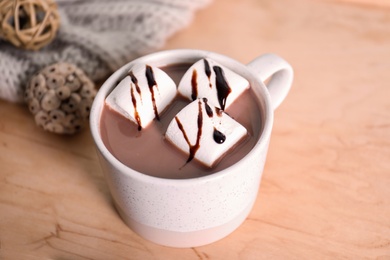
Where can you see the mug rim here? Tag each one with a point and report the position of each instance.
(177, 54)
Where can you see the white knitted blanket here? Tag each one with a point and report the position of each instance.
(98, 36)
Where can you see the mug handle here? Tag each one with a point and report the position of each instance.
(279, 72)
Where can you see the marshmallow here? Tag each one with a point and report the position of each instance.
(142, 95)
(204, 132)
(206, 78)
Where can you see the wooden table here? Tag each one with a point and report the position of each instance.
(325, 192)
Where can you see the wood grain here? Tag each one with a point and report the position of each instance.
(325, 192)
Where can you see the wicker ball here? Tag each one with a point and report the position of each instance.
(60, 98)
(29, 24)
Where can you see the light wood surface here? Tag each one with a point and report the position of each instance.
(325, 192)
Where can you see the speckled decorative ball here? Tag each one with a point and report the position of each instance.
(60, 98)
(29, 24)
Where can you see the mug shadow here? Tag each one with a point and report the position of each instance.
(87, 169)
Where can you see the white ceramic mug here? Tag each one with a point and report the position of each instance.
(197, 211)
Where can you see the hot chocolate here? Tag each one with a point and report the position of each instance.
(148, 152)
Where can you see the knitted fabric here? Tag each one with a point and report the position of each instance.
(98, 36)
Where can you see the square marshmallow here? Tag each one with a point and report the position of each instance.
(206, 78)
(204, 132)
(142, 95)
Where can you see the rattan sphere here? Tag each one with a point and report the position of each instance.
(60, 97)
(29, 24)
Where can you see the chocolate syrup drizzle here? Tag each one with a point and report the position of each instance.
(135, 81)
(209, 111)
(133, 99)
(218, 136)
(194, 84)
(219, 111)
(136, 114)
(223, 89)
(152, 82)
(193, 148)
(207, 70)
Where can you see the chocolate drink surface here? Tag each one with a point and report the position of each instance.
(148, 152)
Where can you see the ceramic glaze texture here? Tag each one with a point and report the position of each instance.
(196, 211)
(188, 207)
